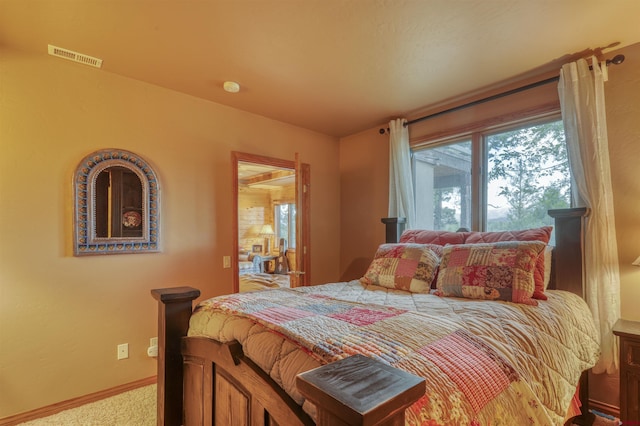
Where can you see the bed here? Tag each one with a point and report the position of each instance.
(262, 281)
(239, 366)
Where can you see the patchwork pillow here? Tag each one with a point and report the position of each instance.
(409, 267)
(535, 234)
(493, 271)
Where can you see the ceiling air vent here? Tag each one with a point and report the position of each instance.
(74, 56)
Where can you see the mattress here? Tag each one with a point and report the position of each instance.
(485, 362)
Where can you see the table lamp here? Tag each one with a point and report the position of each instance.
(267, 233)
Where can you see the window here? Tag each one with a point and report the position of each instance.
(285, 219)
(493, 180)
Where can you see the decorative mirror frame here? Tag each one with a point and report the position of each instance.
(85, 240)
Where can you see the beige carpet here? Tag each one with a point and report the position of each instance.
(138, 408)
(133, 408)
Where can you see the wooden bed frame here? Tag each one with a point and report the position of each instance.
(202, 381)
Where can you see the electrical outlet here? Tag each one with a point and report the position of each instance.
(123, 351)
(226, 261)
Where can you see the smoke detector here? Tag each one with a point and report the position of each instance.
(74, 56)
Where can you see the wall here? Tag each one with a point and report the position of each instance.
(253, 212)
(61, 317)
(364, 173)
(255, 208)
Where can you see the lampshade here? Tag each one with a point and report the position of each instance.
(636, 262)
(266, 231)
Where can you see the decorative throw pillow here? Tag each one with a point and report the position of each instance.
(409, 267)
(535, 234)
(496, 271)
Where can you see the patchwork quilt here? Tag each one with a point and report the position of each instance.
(485, 362)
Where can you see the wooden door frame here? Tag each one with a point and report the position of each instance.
(303, 216)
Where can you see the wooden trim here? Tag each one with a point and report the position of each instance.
(509, 119)
(305, 224)
(52, 409)
(605, 408)
(234, 221)
(303, 221)
(237, 156)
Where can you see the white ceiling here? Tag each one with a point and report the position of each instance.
(334, 66)
(254, 170)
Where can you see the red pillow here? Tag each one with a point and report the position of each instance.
(422, 236)
(536, 234)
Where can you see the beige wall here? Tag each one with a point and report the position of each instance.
(364, 192)
(623, 121)
(253, 212)
(364, 169)
(61, 317)
(255, 208)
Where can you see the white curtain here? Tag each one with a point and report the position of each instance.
(583, 112)
(401, 202)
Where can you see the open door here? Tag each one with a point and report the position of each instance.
(301, 276)
(270, 202)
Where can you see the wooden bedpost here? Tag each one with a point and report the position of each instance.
(569, 253)
(569, 225)
(360, 391)
(174, 311)
(394, 226)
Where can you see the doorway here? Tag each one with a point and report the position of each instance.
(270, 221)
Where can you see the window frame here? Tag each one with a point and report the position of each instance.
(291, 242)
(479, 158)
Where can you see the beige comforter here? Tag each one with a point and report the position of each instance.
(544, 349)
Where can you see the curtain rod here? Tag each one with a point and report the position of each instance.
(616, 60)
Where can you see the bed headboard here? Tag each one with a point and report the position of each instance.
(567, 266)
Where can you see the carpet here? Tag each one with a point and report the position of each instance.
(138, 408)
(132, 408)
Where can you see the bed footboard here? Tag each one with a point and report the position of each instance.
(221, 386)
(203, 382)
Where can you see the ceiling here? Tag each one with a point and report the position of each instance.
(261, 176)
(333, 66)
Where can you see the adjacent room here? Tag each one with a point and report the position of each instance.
(353, 172)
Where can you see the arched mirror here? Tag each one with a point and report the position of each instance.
(117, 204)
